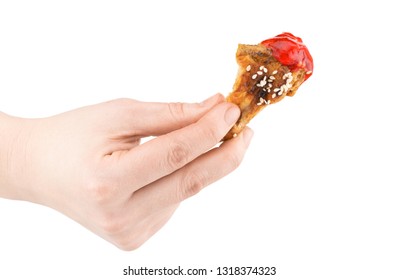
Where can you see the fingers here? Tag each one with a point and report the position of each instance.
(136, 229)
(152, 119)
(163, 155)
(192, 178)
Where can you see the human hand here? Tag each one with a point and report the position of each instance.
(89, 163)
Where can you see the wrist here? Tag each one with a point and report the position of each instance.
(13, 155)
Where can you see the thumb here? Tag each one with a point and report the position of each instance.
(152, 118)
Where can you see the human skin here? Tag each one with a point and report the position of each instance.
(89, 163)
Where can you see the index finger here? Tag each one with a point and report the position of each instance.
(167, 153)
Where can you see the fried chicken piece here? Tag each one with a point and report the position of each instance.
(267, 73)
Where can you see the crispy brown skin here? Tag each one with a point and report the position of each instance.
(248, 92)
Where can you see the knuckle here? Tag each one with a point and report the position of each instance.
(112, 225)
(124, 101)
(176, 110)
(178, 155)
(233, 161)
(121, 103)
(192, 183)
(100, 192)
(132, 241)
(128, 245)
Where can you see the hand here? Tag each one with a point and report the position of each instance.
(89, 163)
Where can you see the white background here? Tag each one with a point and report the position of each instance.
(316, 194)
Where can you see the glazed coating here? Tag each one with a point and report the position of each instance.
(263, 80)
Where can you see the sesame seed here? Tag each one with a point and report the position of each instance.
(248, 68)
(272, 77)
(261, 67)
(270, 81)
(277, 89)
(273, 95)
(287, 75)
(283, 89)
(269, 102)
(308, 72)
(276, 71)
(234, 135)
(259, 72)
(263, 82)
(269, 90)
(265, 70)
(254, 76)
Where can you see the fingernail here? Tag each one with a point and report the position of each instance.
(232, 115)
(247, 135)
(212, 100)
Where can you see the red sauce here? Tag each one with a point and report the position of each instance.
(290, 51)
